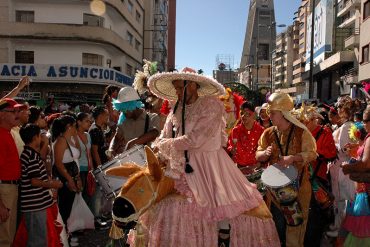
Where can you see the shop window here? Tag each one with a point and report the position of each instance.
(92, 59)
(24, 56)
(93, 20)
(24, 16)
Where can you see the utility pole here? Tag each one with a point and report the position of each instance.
(310, 88)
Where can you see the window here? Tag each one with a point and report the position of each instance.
(128, 70)
(263, 51)
(130, 38)
(264, 12)
(130, 6)
(92, 59)
(24, 57)
(365, 54)
(366, 9)
(93, 20)
(138, 17)
(24, 16)
(118, 68)
(137, 44)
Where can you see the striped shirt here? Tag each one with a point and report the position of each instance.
(33, 198)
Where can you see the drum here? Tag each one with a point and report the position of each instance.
(255, 178)
(283, 184)
(111, 185)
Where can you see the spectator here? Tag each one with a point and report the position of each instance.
(85, 160)
(37, 117)
(263, 117)
(99, 146)
(23, 119)
(343, 187)
(35, 185)
(66, 153)
(23, 82)
(10, 167)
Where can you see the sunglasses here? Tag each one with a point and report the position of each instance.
(366, 121)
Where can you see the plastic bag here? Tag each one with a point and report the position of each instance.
(81, 216)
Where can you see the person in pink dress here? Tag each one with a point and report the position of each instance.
(192, 144)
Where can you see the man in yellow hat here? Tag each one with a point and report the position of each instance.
(288, 143)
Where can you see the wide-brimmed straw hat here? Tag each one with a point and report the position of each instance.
(161, 85)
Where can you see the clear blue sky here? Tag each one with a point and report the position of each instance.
(206, 28)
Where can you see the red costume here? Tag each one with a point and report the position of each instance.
(243, 144)
(325, 148)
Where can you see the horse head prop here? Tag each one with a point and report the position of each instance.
(145, 186)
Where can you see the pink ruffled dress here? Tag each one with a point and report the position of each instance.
(216, 190)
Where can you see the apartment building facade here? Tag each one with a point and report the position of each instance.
(300, 26)
(282, 61)
(73, 49)
(364, 66)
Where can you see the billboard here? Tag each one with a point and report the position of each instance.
(323, 31)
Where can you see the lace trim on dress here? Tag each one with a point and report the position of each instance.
(175, 159)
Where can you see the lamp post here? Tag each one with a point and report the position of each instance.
(310, 88)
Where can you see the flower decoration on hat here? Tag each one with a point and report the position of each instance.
(141, 77)
(307, 113)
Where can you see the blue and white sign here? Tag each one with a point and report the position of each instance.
(323, 30)
(64, 73)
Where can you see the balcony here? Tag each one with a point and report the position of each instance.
(353, 40)
(346, 6)
(298, 71)
(297, 80)
(68, 32)
(348, 22)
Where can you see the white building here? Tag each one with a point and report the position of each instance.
(71, 49)
(364, 70)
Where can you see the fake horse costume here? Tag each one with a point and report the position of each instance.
(170, 219)
(209, 186)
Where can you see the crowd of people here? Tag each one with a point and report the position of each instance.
(48, 157)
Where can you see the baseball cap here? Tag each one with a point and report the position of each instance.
(8, 103)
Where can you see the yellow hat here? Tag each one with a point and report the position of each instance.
(283, 102)
(280, 102)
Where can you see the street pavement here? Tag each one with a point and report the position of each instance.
(100, 238)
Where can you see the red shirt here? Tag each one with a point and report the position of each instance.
(325, 148)
(10, 165)
(245, 143)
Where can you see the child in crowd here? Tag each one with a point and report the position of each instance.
(35, 187)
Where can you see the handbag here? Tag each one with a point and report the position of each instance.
(71, 167)
(90, 180)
